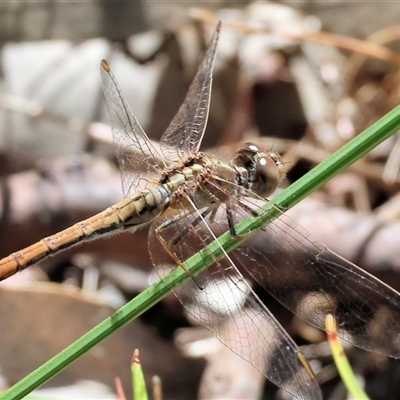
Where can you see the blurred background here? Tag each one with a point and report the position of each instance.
(302, 78)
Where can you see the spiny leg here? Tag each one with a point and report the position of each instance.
(229, 212)
(179, 237)
(231, 222)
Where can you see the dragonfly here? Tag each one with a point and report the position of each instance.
(188, 198)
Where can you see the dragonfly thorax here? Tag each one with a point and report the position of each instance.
(259, 170)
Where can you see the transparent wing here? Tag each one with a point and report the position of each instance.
(305, 276)
(255, 335)
(185, 132)
(135, 151)
(313, 281)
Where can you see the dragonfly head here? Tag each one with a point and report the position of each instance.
(264, 168)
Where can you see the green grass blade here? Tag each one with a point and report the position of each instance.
(138, 382)
(342, 363)
(348, 154)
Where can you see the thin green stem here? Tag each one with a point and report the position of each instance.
(342, 363)
(348, 154)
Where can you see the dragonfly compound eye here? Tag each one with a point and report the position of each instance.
(264, 169)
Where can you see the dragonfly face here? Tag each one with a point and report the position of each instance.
(190, 199)
(264, 169)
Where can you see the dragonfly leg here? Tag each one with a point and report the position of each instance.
(167, 245)
(170, 252)
(201, 217)
(231, 223)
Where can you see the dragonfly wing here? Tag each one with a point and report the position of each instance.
(185, 132)
(221, 292)
(313, 281)
(135, 151)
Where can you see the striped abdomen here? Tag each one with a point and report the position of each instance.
(128, 214)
